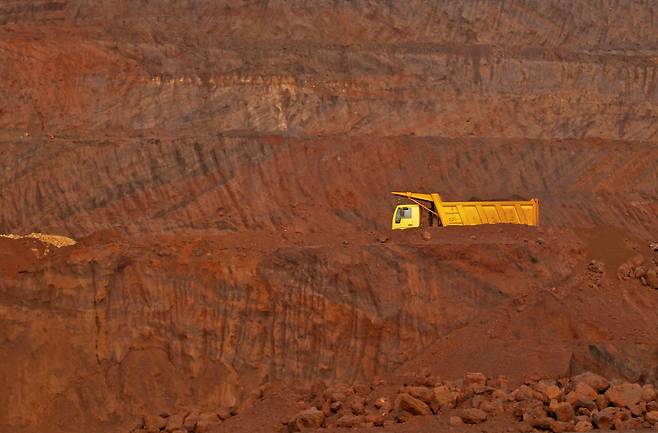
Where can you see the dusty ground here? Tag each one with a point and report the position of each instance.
(225, 166)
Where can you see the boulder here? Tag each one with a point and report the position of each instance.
(407, 403)
(155, 422)
(529, 410)
(473, 416)
(649, 393)
(639, 409)
(584, 411)
(358, 405)
(651, 416)
(309, 418)
(175, 422)
(563, 411)
(601, 401)
(337, 393)
(583, 426)
(548, 391)
(362, 390)
(639, 272)
(598, 383)
(546, 423)
(224, 413)
(376, 419)
(383, 405)
(624, 271)
(596, 266)
(624, 395)
(421, 392)
(652, 278)
(444, 397)
(350, 421)
(524, 392)
(475, 381)
(325, 407)
(190, 421)
(456, 421)
(207, 420)
(582, 394)
(604, 419)
(629, 424)
(500, 382)
(493, 407)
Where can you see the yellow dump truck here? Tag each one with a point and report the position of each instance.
(463, 213)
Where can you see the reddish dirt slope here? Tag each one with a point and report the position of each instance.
(226, 168)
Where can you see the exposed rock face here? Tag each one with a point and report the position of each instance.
(225, 168)
(183, 116)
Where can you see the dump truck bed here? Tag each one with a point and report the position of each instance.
(461, 213)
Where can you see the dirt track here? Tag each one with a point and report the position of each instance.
(226, 168)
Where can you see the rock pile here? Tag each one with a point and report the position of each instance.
(581, 403)
(646, 272)
(185, 422)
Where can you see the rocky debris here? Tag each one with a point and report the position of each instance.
(183, 422)
(582, 403)
(426, 235)
(636, 268)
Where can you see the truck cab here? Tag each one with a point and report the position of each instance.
(406, 216)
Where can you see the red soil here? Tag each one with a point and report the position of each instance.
(226, 170)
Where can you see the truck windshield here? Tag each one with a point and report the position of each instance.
(403, 212)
